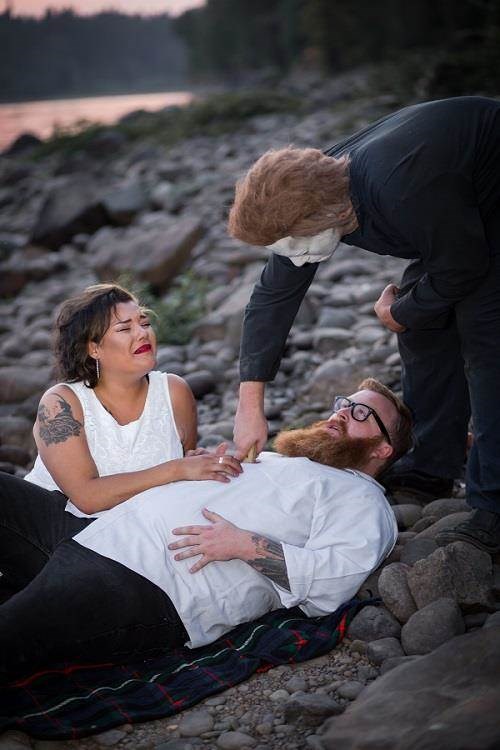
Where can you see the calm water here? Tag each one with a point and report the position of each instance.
(41, 117)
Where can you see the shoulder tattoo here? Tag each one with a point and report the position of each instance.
(58, 425)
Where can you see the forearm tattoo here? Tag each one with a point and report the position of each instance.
(58, 427)
(270, 560)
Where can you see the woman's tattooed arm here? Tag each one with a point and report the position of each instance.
(269, 560)
(57, 424)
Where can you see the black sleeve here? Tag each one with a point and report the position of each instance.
(269, 316)
(444, 224)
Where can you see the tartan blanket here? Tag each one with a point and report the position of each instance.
(71, 700)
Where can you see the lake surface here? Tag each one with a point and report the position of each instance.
(41, 117)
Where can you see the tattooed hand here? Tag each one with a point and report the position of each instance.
(222, 540)
(57, 424)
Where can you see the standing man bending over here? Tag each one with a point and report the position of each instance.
(423, 184)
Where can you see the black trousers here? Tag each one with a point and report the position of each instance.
(64, 601)
(452, 371)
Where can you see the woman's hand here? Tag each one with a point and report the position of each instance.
(382, 309)
(203, 464)
(222, 540)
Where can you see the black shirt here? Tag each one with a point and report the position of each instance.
(422, 181)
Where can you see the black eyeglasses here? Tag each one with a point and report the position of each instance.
(360, 412)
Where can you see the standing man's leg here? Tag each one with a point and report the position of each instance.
(478, 318)
(435, 389)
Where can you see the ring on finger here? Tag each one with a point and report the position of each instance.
(221, 459)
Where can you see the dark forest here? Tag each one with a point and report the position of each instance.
(232, 42)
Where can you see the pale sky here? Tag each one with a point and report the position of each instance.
(38, 7)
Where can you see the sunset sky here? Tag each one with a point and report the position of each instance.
(38, 7)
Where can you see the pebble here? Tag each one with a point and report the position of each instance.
(350, 690)
(311, 710)
(235, 740)
(110, 738)
(296, 683)
(383, 649)
(279, 695)
(195, 723)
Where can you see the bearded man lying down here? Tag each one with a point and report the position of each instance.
(185, 563)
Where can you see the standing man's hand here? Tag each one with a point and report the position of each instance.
(382, 309)
(250, 424)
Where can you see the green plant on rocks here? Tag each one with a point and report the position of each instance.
(176, 314)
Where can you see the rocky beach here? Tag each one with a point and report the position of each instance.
(420, 671)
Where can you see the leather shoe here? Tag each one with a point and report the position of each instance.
(423, 486)
(482, 530)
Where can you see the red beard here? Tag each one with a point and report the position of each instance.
(317, 444)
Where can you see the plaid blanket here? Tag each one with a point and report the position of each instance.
(71, 700)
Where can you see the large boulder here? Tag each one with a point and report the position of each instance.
(72, 206)
(459, 571)
(124, 202)
(16, 433)
(447, 700)
(18, 382)
(154, 254)
(24, 143)
(334, 376)
(25, 265)
(431, 626)
(226, 320)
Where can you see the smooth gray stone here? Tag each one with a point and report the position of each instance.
(445, 506)
(373, 623)
(70, 207)
(201, 382)
(407, 515)
(350, 689)
(235, 741)
(295, 683)
(395, 661)
(417, 549)
(493, 621)
(447, 522)
(432, 626)
(310, 709)
(110, 738)
(394, 590)
(195, 723)
(18, 382)
(383, 649)
(175, 744)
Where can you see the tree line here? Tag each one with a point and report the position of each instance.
(63, 54)
(228, 38)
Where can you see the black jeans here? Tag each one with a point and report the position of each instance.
(451, 372)
(68, 602)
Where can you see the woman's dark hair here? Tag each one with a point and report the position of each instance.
(81, 319)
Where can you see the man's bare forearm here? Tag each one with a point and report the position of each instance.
(268, 558)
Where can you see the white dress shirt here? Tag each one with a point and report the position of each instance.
(336, 527)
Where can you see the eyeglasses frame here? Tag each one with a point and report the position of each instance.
(352, 405)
